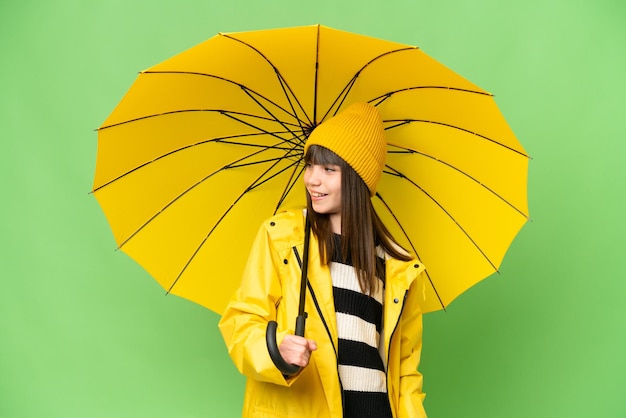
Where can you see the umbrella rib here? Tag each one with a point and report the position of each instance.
(408, 238)
(381, 98)
(281, 79)
(252, 186)
(249, 93)
(172, 112)
(243, 87)
(484, 186)
(229, 166)
(291, 182)
(274, 175)
(295, 136)
(196, 184)
(220, 140)
(317, 68)
(401, 175)
(400, 122)
(290, 153)
(284, 86)
(342, 96)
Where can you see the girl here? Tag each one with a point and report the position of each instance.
(362, 345)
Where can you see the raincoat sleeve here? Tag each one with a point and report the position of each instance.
(411, 395)
(244, 322)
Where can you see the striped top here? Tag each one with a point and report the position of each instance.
(359, 325)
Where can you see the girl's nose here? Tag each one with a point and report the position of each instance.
(312, 175)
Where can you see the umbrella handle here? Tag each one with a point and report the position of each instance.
(272, 346)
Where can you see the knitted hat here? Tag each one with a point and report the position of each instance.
(356, 135)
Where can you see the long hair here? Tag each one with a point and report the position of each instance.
(361, 228)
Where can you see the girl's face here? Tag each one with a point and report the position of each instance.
(323, 183)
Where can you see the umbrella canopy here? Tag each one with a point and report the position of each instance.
(209, 143)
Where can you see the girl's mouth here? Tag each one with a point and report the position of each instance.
(317, 195)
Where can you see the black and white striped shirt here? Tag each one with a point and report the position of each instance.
(359, 324)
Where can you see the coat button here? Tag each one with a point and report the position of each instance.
(272, 223)
(396, 300)
(416, 265)
(285, 261)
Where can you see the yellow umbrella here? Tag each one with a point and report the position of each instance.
(208, 144)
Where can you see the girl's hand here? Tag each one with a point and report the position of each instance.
(297, 350)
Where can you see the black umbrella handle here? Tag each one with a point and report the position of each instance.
(272, 346)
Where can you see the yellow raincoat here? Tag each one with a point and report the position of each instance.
(270, 291)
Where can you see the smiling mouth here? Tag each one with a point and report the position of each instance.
(318, 194)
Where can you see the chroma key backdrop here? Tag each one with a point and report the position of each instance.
(86, 332)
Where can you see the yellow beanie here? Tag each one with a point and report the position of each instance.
(357, 135)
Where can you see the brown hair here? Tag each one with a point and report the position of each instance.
(361, 228)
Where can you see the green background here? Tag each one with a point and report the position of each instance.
(85, 332)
